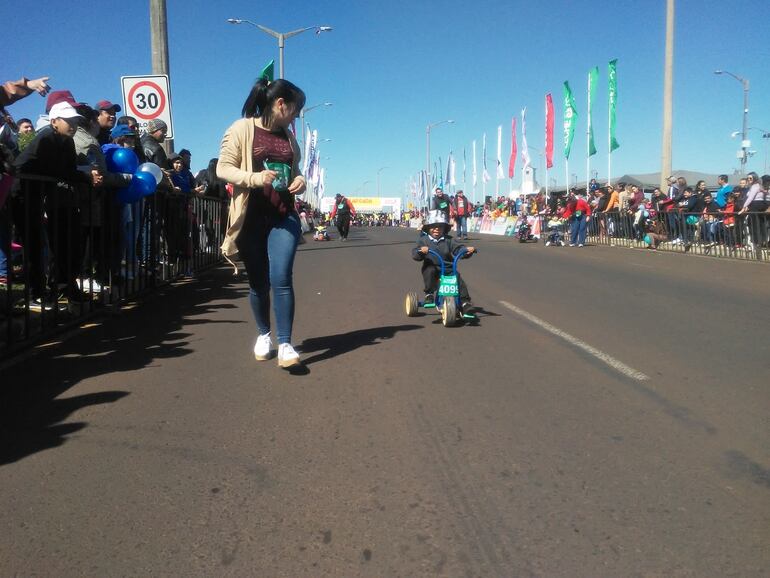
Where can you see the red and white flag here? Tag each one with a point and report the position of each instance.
(526, 161)
(512, 160)
(548, 131)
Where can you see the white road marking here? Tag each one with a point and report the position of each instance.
(600, 355)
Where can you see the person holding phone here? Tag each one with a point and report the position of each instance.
(257, 153)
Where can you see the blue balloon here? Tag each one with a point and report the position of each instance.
(121, 160)
(145, 182)
(131, 193)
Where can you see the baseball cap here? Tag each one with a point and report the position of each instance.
(107, 105)
(63, 110)
(57, 96)
(155, 125)
(121, 130)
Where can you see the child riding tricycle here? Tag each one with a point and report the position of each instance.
(445, 289)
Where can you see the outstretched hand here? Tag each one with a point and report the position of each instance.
(39, 85)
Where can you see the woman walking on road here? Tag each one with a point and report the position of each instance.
(260, 157)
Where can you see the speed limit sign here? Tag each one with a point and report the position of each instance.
(148, 98)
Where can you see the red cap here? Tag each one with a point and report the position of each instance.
(107, 105)
(58, 96)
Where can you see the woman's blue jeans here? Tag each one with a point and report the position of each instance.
(267, 246)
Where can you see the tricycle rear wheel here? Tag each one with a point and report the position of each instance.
(411, 304)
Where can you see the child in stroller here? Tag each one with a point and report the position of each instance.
(555, 232)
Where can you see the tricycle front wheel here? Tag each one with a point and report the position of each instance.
(449, 312)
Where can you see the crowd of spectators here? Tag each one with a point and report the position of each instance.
(730, 216)
(60, 205)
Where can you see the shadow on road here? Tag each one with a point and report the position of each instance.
(33, 416)
(342, 343)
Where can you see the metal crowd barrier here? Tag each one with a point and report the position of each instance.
(74, 251)
(737, 236)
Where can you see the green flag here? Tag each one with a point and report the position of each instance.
(613, 99)
(570, 117)
(593, 75)
(268, 71)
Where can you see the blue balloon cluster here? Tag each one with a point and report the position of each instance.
(145, 177)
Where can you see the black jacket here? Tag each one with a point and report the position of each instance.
(153, 152)
(444, 246)
(441, 204)
(52, 155)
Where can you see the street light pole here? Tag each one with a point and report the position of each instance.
(302, 114)
(281, 36)
(427, 147)
(745, 144)
(378, 178)
(668, 96)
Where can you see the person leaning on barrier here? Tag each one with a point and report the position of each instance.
(52, 154)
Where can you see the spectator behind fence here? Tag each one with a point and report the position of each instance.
(106, 118)
(153, 152)
(102, 215)
(52, 154)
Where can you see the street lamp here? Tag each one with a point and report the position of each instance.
(745, 144)
(363, 187)
(302, 114)
(281, 36)
(378, 178)
(427, 155)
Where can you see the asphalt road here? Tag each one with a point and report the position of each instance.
(606, 416)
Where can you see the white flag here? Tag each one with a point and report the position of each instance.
(473, 173)
(322, 174)
(450, 171)
(524, 150)
(500, 174)
(484, 174)
(316, 176)
(306, 160)
(312, 159)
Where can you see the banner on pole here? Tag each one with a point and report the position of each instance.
(593, 76)
(613, 99)
(548, 131)
(570, 118)
(514, 151)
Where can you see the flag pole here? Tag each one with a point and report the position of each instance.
(588, 136)
(609, 142)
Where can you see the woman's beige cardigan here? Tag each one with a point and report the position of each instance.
(235, 167)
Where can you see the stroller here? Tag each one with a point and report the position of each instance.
(555, 233)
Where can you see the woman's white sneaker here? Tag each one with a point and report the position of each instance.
(287, 357)
(263, 347)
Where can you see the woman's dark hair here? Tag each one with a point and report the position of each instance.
(260, 101)
(126, 120)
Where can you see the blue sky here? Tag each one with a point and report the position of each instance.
(391, 68)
